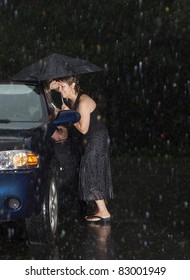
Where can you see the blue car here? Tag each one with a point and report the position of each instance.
(29, 169)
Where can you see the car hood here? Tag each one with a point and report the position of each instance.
(21, 138)
(12, 126)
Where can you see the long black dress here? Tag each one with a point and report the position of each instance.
(95, 171)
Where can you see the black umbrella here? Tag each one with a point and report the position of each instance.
(55, 66)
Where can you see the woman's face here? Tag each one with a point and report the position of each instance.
(65, 89)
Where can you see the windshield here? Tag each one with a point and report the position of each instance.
(19, 103)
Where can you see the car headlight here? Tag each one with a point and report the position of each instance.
(18, 159)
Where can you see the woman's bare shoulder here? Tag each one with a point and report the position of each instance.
(86, 100)
(84, 96)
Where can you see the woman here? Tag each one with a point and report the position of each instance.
(95, 173)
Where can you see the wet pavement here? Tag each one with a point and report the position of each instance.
(151, 218)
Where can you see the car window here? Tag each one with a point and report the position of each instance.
(56, 98)
(19, 102)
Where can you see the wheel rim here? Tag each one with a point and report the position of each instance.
(53, 206)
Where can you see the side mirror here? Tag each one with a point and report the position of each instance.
(66, 117)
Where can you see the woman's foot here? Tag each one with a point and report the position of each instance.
(98, 216)
(102, 213)
(97, 219)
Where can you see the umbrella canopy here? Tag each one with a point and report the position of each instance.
(55, 66)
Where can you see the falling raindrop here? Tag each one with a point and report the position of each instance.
(168, 142)
(106, 67)
(139, 235)
(182, 222)
(149, 166)
(188, 85)
(62, 234)
(140, 66)
(160, 198)
(144, 227)
(5, 2)
(140, 4)
(147, 215)
(16, 13)
(135, 69)
(172, 171)
(149, 44)
(141, 15)
(10, 232)
(186, 204)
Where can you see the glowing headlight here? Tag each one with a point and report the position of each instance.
(18, 159)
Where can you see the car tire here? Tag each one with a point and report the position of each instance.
(42, 228)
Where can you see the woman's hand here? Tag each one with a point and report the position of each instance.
(56, 111)
(65, 107)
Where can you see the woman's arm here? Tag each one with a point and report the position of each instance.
(86, 106)
(84, 122)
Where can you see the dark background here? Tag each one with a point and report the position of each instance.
(143, 47)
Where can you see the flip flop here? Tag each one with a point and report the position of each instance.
(97, 219)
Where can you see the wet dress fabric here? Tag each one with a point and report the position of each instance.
(95, 171)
